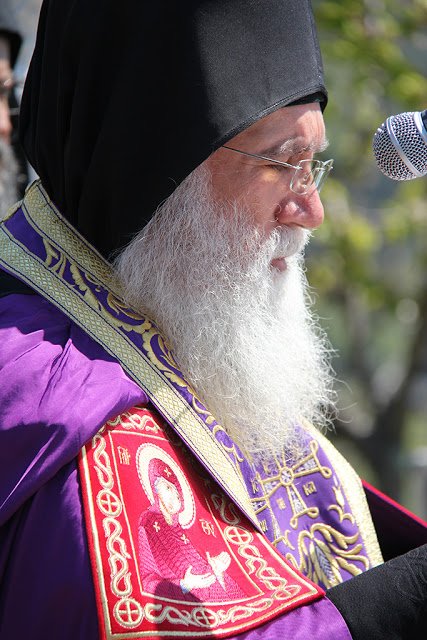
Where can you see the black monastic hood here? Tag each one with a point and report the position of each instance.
(124, 98)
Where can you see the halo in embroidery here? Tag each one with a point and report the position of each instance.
(148, 452)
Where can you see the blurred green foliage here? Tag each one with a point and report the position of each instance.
(367, 262)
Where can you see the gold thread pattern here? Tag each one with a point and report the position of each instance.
(65, 248)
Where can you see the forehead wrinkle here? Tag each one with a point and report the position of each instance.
(294, 147)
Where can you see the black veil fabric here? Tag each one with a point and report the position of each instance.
(124, 99)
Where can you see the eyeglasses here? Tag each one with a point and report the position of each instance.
(306, 172)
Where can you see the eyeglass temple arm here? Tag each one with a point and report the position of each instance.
(254, 155)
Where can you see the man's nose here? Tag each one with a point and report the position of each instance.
(303, 210)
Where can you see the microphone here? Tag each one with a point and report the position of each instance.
(400, 146)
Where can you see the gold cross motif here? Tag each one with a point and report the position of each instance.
(285, 476)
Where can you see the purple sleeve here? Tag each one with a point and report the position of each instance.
(316, 621)
(44, 421)
(45, 566)
(44, 557)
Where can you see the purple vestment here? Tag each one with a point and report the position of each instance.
(58, 387)
(61, 380)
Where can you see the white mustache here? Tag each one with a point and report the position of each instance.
(290, 241)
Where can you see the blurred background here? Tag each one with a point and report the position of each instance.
(368, 262)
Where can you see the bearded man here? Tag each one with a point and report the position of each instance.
(224, 281)
(154, 308)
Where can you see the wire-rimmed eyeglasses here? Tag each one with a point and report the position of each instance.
(306, 173)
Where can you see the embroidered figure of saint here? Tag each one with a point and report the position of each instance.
(170, 564)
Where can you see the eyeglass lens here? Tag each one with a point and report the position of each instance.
(308, 173)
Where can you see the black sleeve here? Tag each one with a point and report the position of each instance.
(388, 602)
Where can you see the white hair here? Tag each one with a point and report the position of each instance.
(242, 333)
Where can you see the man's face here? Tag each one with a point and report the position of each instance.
(289, 134)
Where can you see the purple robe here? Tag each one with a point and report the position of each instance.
(58, 387)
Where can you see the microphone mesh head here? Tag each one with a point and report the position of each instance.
(411, 142)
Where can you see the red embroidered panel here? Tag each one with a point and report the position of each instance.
(171, 555)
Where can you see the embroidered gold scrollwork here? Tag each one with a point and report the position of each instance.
(339, 507)
(166, 362)
(200, 410)
(118, 558)
(132, 420)
(226, 508)
(120, 316)
(255, 563)
(198, 617)
(321, 559)
(126, 612)
(141, 326)
(230, 449)
(102, 462)
(55, 260)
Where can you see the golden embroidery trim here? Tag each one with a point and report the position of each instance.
(355, 495)
(56, 231)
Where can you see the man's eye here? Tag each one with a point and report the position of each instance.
(278, 167)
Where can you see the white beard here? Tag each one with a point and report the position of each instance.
(241, 332)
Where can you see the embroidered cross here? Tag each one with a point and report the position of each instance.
(156, 526)
(286, 476)
(184, 539)
(127, 612)
(205, 618)
(109, 503)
